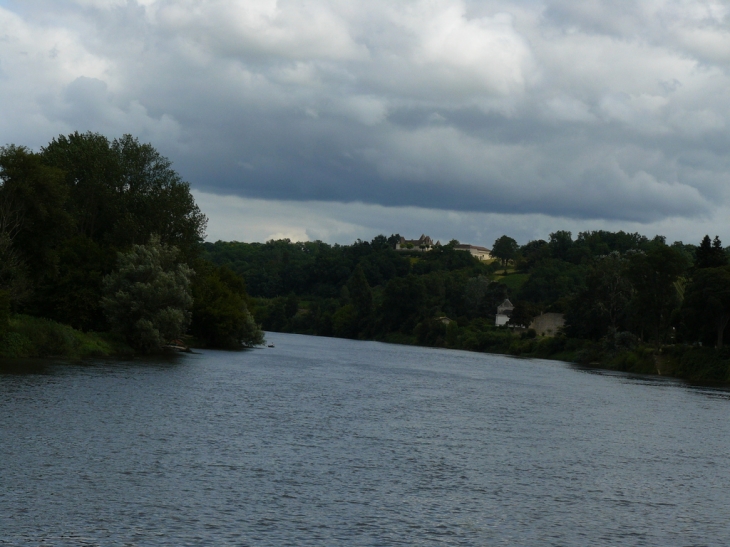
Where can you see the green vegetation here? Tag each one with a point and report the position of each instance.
(147, 298)
(513, 282)
(630, 303)
(38, 337)
(220, 310)
(104, 236)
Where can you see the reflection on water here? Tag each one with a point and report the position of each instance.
(333, 442)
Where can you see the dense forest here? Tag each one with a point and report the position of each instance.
(104, 236)
(629, 302)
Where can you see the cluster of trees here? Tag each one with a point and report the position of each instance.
(105, 235)
(622, 288)
(622, 285)
(363, 290)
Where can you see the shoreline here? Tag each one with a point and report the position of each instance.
(698, 365)
(37, 338)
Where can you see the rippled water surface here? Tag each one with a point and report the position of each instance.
(333, 442)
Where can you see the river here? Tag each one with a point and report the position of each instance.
(326, 442)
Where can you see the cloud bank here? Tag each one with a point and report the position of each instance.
(582, 110)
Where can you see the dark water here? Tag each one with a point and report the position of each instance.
(333, 442)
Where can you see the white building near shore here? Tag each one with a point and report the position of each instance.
(504, 312)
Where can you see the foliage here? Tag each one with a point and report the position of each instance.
(123, 191)
(552, 281)
(560, 245)
(505, 249)
(404, 300)
(33, 219)
(38, 337)
(74, 293)
(278, 268)
(523, 314)
(654, 275)
(65, 213)
(4, 313)
(710, 254)
(602, 303)
(361, 297)
(345, 322)
(706, 307)
(147, 299)
(220, 317)
(482, 296)
(514, 281)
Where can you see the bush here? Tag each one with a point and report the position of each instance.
(36, 337)
(704, 365)
(220, 315)
(147, 300)
(344, 322)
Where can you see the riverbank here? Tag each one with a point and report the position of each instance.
(33, 337)
(622, 353)
(28, 336)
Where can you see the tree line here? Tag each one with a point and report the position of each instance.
(103, 235)
(620, 289)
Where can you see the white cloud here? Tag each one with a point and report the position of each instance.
(286, 29)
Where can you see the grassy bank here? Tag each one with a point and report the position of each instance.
(27, 336)
(695, 364)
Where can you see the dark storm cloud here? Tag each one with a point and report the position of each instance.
(582, 109)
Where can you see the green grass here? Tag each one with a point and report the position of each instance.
(37, 337)
(513, 280)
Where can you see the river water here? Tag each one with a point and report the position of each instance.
(333, 442)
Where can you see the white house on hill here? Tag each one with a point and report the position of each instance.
(482, 253)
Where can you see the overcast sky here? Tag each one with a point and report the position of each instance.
(342, 119)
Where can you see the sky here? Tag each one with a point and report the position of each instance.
(344, 119)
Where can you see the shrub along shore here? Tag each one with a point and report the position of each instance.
(36, 337)
(695, 364)
(32, 337)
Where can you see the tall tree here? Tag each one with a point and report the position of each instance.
(505, 249)
(34, 217)
(147, 299)
(360, 292)
(707, 302)
(710, 254)
(221, 317)
(601, 307)
(123, 191)
(654, 275)
(403, 303)
(560, 244)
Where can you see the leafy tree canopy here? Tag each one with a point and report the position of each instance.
(505, 248)
(706, 307)
(221, 316)
(147, 299)
(123, 191)
(710, 254)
